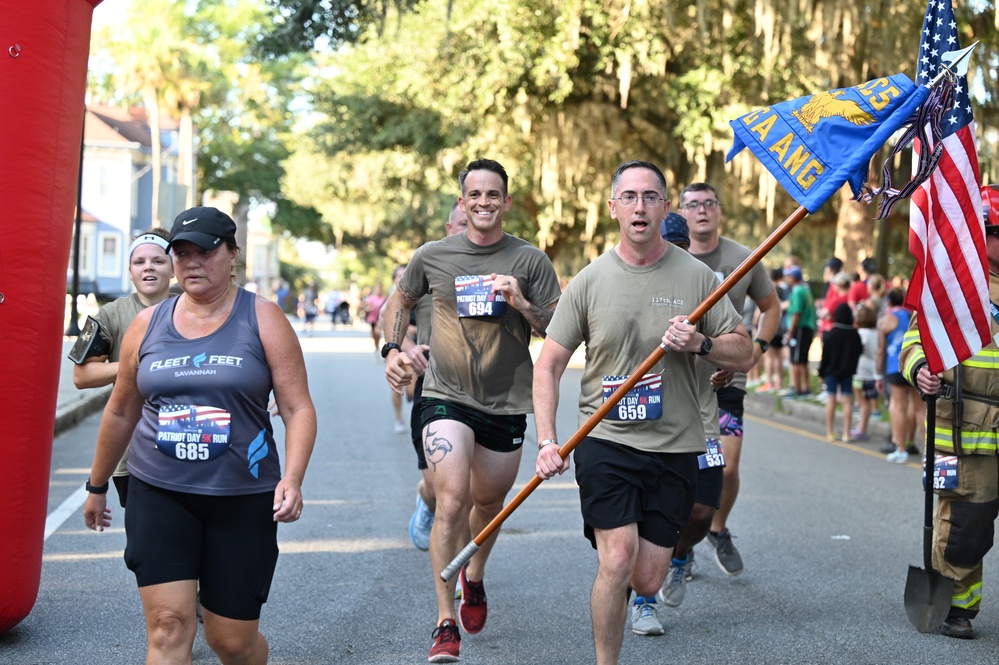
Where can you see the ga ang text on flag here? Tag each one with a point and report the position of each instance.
(815, 144)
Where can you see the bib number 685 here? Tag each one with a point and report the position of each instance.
(192, 451)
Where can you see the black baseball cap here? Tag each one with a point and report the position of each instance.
(205, 227)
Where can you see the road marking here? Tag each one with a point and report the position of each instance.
(68, 507)
(810, 435)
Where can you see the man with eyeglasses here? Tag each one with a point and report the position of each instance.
(489, 290)
(700, 205)
(636, 470)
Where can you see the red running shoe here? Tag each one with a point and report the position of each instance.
(472, 609)
(446, 647)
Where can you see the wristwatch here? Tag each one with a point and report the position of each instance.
(705, 346)
(96, 489)
(764, 345)
(388, 347)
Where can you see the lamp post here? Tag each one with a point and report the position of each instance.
(74, 314)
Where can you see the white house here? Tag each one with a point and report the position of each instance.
(117, 193)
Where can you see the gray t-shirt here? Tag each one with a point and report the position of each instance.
(480, 361)
(723, 260)
(620, 312)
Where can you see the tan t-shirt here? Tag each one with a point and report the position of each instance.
(725, 258)
(480, 361)
(621, 312)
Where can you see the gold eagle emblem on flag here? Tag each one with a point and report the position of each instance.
(827, 105)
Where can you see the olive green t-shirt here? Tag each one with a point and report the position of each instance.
(621, 312)
(424, 319)
(723, 260)
(115, 318)
(480, 361)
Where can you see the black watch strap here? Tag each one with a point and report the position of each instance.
(705, 346)
(388, 347)
(101, 489)
(764, 344)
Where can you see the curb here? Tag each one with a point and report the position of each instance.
(69, 415)
(799, 411)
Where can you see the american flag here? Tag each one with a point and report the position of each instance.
(950, 285)
(186, 415)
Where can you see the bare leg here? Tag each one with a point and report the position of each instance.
(493, 474)
(732, 448)
(171, 622)
(235, 642)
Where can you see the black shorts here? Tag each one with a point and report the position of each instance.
(709, 486)
(501, 434)
(415, 425)
(896, 379)
(800, 344)
(619, 485)
(731, 409)
(228, 543)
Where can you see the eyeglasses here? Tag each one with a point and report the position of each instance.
(631, 198)
(709, 204)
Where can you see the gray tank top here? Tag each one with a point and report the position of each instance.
(205, 428)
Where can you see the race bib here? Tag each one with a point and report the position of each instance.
(643, 402)
(192, 433)
(713, 457)
(475, 296)
(944, 472)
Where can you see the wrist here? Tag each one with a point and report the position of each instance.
(544, 442)
(96, 489)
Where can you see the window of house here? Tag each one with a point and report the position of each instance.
(109, 255)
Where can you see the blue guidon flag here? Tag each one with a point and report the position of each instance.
(814, 145)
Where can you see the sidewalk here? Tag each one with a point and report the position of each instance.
(73, 405)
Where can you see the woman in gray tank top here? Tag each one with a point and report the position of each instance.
(191, 396)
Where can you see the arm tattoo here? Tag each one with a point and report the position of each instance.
(435, 448)
(539, 317)
(398, 329)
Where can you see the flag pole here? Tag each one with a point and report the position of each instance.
(720, 291)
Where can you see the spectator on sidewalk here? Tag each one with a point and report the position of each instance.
(773, 359)
(903, 399)
(864, 381)
(801, 323)
(841, 349)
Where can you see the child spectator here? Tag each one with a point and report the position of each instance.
(841, 349)
(864, 387)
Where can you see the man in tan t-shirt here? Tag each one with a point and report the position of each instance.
(489, 290)
(636, 470)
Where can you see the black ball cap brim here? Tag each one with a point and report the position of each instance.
(202, 240)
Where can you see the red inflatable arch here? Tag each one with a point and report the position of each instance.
(44, 47)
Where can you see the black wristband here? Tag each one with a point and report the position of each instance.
(388, 347)
(102, 489)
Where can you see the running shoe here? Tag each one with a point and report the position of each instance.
(645, 617)
(690, 567)
(675, 588)
(446, 647)
(726, 555)
(912, 449)
(472, 608)
(887, 448)
(400, 427)
(420, 525)
(898, 457)
(858, 435)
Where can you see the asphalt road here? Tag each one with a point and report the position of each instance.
(827, 532)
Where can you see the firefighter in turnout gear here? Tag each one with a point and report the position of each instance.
(968, 429)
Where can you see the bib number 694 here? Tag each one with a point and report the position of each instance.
(191, 451)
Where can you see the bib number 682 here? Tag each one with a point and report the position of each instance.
(191, 451)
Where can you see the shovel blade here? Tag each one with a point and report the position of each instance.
(927, 598)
